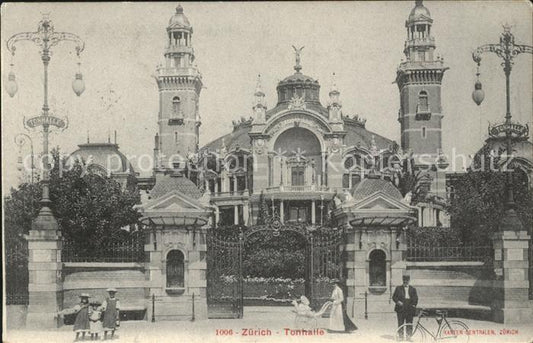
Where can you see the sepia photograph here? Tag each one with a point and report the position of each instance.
(299, 171)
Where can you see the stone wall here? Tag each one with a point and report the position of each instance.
(95, 278)
(449, 283)
(463, 288)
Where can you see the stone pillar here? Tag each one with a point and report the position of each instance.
(313, 212)
(236, 214)
(154, 269)
(197, 281)
(224, 181)
(281, 212)
(44, 266)
(217, 215)
(511, 303)
(245, 213)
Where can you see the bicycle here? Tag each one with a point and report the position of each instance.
(450, 330)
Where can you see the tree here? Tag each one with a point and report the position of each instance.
(90, 208)
(413, 181)
(478, 203)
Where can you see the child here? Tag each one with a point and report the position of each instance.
(95, 320)
(303, 307)
(304, 314)
(81, 324)
(111, 307)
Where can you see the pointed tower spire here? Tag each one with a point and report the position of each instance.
(334, 94)
(258, 87)
(334, 106)
(259, 103)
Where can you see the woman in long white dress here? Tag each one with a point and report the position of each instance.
(336, 321)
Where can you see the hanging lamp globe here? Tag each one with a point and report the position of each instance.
(478, 94)
(11, 85)
(78, 85)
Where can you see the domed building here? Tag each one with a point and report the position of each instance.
(104, 159)
(306, 165)
(522, 158)
(298, 154)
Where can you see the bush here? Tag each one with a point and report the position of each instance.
(435, 236)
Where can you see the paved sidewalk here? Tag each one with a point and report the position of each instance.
(272, 321)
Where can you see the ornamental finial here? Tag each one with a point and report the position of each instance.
(258, 88)
(507, 27)
(298, 52)
(334, 83)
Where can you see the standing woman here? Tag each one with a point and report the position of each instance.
(111, 307)
(336, 322)
(338, 318)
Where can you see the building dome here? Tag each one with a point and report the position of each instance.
(168, 183)
(370, 186)
(105, 156)
(298, 85)
(298, 77)
(419, 12)
(522, 152)
(179, 20)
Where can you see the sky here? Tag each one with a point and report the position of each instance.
(362, 42)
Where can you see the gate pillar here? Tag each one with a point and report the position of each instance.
(45, 288)
(198, 276)
(511, 302)
(187, 299)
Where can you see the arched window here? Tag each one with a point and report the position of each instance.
(378, 270)
(423, 104)
(175, 269)
(298, 176)
(176, 106)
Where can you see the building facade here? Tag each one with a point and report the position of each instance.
(310, 167)
(311, 162)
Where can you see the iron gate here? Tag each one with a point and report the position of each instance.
(224, 274)
(324, 262)
(16, 272)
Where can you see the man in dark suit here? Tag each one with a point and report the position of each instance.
(406, 299)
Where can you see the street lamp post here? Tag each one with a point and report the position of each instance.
(507, 50)
(45, 38)
(44, 239)
(20, 140)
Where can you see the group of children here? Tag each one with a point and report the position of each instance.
(95, 317)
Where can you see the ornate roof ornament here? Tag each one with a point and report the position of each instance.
(298, 52)
(297, 103)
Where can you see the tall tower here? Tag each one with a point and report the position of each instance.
(419, 81)
(179, 83)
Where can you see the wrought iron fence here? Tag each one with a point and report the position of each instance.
(472, 252)
(130, 249)
(531, 268)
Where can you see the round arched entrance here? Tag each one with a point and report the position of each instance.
(299, 155)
